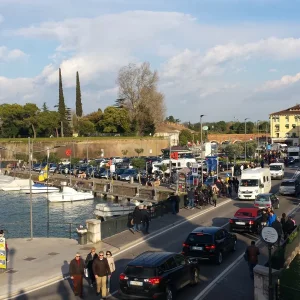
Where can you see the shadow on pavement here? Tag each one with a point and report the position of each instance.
(10, 276)
(65, 269)
(21, 296)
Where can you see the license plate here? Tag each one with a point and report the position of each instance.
(197, 248)
(240, 223)
(136, 283)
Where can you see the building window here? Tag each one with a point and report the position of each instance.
(287, 126)
(294, 125)
(293, 135)
(277, 135)
(287, 118)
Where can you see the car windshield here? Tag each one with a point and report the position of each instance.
(200, 238)
(129, 171)
(249, 182)
(288, 183)
(120, 171)
(137, 271)
(275, 168)
(262, 198)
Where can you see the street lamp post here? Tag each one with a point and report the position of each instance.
(246, 138)
(257, 132)
(30, 188)
(201, 146)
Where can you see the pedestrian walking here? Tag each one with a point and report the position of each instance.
(191, 195)
(230, 190)
(290, 225)
(146, 219)
(272, 217)
(101, 270)
(130, 222)
(112, 267)
(283, 224)
(76, 271)
(251, 256)
(174, 204)
(278, 227)
(137, 219)
(89, 265)
(215, 192)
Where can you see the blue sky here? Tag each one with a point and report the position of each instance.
(223, 58)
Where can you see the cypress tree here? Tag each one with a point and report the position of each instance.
(78, 97)
(61, 100)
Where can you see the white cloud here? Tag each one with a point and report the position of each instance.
(284, 81)
(7, 55)
(1, 19)
(273, 70)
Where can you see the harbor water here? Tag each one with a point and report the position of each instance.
(49, 219)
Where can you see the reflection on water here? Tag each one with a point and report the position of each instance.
(49, 219)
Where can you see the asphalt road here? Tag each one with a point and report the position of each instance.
(172, 241)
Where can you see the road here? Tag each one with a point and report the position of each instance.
(172, 241)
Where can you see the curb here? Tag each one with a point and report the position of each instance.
(122, 249)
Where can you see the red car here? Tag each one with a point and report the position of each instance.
(246, 220)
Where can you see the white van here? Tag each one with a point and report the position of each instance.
(253, 182)
(176, 163)
(277, 170)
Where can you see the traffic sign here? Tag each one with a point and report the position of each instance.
(194, 169)
(68, 152)
(269, 235)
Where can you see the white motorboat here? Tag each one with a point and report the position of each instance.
(105, 210)
(69, 194)
(39, 188)
(5, 178)
(14, 185)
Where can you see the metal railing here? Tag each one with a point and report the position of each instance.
(40, 229)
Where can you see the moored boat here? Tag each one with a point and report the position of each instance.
(39, 188)
(69, 194)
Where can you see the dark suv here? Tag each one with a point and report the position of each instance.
(157, 275)
(209, 243)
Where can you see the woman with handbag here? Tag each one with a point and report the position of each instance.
(89, 265)
(112, 267)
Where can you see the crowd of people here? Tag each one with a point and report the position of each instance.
(97, 268)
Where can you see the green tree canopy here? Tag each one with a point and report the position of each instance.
(185, 136)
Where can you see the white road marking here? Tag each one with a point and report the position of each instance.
(229, 268)
(129, 248)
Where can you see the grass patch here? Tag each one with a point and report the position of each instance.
(77, 139)
(290, 281)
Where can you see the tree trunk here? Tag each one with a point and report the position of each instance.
(56, 130)
(34, 131)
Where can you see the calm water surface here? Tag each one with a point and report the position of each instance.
(49, 219)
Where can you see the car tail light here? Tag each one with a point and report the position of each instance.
(123, 277)
(185, 245)
(154, 280)
(256, 204)
(268, 205)
(210, 247)
(251, 222)
(231, 221)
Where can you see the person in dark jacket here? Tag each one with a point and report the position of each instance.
(251, 254)
(146, 219)
(278, 227)
(264, 219)
(137, 219)
(76, 271)
(283, 224)
(290, 225)
(89, 265)
(101, 270)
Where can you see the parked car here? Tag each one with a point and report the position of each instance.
(263, 201)
(128, 174)
(118, 173)
(209, 243)
(246, 220)
(290, 187)
(157, 275)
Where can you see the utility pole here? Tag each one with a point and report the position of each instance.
(246, 138)
(201, 147)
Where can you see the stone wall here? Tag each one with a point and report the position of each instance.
(235, 137)
(84, 147)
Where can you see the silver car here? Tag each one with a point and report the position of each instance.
(267, 200)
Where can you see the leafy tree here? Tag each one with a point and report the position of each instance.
(251, 148)
(48, 123)
(95, 118)
(78, 97)
(139, 151)
(85, 127)
(163, 167)
(75, 161)
(124, 152)
(30, 112)
(185, 136)
(22, 156)
(115, 120)
(171, 119)
(233, 150)
(138, 163)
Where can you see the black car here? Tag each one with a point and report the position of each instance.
(157, 275)
(209, 243)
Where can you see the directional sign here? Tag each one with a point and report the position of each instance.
(194, 169)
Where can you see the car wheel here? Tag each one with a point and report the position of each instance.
(219, 258)
(169, 293)
(195, 277)
(234, 246)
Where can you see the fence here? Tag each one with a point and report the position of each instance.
(40, 229)
(116, 225)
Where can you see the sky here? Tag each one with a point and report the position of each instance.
(226, 59)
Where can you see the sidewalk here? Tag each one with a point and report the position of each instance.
(43, 261)
(236, 284)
